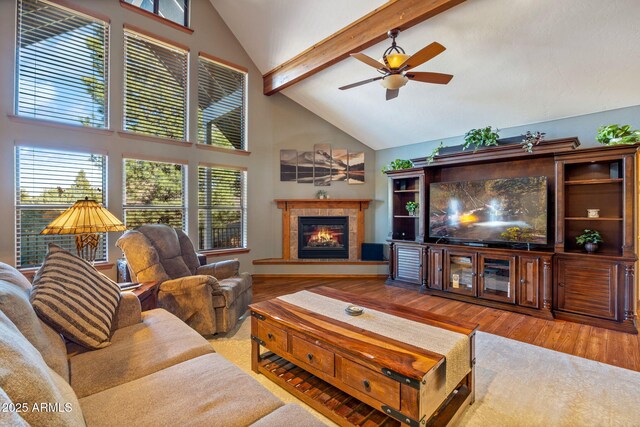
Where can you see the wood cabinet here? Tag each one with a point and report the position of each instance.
(497, 277)
(557, 279)
(408, 263)
(460, 272)
(435, 268)
(587, 287)
(529, 282)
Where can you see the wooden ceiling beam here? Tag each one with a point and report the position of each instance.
(357, 36)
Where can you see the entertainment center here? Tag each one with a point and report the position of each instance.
(479, 234)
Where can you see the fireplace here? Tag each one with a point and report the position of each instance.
(323, 237)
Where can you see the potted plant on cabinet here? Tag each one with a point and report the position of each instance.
(477, 138)
(398, 164)
(617, 135)
(411, 207)
(589, 239)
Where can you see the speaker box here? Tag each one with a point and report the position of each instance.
(373, 251)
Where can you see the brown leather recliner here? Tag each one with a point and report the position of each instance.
(209, 298)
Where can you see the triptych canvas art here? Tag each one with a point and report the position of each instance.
(322, 165)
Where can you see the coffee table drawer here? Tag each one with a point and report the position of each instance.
(275, 339)
(312, 355)
(371, 383)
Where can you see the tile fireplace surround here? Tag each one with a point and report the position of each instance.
(294, 208)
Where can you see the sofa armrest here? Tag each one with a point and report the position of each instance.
(220, 270)
(129, 311)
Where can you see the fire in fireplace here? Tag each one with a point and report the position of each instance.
(323, 237)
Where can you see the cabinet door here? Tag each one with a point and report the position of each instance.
(435, 269)
(529, 282)
(587, 287)
(408, 263)
(460, 272)
(497, 278)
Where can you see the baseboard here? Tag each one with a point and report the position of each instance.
(319, 276)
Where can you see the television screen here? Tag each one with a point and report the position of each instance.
(493, 210)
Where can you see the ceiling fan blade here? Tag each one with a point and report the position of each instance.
(392, 93)
(423, 55)
(369, 61)
(437, 78)
(364, 82)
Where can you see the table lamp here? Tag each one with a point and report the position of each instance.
(85, 218)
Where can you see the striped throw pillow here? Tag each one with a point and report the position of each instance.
(75, 299)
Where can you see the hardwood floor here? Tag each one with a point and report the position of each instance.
(612, 347)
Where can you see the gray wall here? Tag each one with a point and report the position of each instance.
(273, 123)
(584, 127)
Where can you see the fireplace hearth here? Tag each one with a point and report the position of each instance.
(323, 237)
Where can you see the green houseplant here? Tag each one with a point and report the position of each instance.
(431, 157)
(411, 207)
(617, 135)
(398, 164)
(531, 139)
(477, 138)
(589, 239)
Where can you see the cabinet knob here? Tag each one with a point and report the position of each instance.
(561, 285)
(473, 274)
(522, 281)
(481, 274)
(270, 335)
(440, 269)
(310, 357)
(366, 384)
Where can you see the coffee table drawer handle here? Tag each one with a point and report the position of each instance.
(310, 357)
(270, 335)
(366, 384)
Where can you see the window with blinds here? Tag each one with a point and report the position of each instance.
(48, 182)
(62, 65)
(155, 96)
(221, 105)
(222, 219)
(154, 193)
(173, 10)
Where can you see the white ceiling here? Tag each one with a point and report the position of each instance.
(515, 62)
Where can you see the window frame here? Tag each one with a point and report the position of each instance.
(203, 56)
(19, 207)
(243, 209)
(156, 12)
(89, 15)
(185, 188)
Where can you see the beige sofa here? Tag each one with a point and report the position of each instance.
(157, 371)
(209, 298)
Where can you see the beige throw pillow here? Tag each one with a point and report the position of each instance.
(75, 299)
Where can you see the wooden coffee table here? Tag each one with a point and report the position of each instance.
(355, 376)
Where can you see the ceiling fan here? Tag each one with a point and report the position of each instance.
(397, 64)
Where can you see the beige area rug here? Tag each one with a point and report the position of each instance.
(517, 384)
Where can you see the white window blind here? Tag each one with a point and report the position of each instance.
(48, 182)
(222, 219)
(155, 97)
(62, 65)
(154, 193)
(221, 105)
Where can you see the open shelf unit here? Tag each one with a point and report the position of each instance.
(406, 186)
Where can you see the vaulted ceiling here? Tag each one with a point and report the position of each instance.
(515, 63)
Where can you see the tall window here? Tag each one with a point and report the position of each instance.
(155, 95)
(154, 193)
(221, 208)
(173, 10)
(221, 105)
(48, 182)
(62, 65)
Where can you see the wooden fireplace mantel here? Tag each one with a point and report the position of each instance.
(287, 204)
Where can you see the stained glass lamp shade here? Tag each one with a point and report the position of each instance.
(85, 219)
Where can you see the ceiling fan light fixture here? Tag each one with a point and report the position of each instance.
(395, 60)
(394, 81)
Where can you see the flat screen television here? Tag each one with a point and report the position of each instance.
(493, 210)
